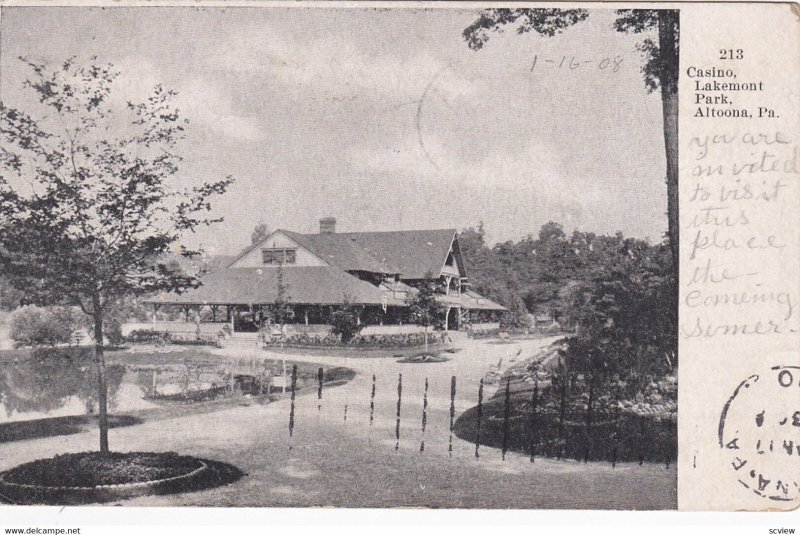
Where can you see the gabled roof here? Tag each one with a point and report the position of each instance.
(411, 253)
(341, 251)
(317, 285)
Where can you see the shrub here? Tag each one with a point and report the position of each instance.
(35, 326)
(196, 340)
(147, 336)
(112, 329)
(374, 341)
(345, 324)
(483, 333)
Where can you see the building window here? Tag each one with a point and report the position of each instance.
(278, 256)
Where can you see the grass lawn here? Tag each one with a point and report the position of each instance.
(328, 453)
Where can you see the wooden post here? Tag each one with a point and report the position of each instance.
(197, 321)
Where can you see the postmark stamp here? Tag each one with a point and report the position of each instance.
(759, 428)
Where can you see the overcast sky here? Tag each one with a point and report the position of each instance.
(317, 112)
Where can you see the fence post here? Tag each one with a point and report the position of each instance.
(320, 376)
(372, 402)
(534, 403)
(452, 413)
(588, 433)
(615, 447)
(641, 438)
(480, 416)
(399, 401)
(562, 414)
(291, 406)
(506, 416)
(668, 455)
(424, 416)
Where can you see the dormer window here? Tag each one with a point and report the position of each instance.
(278, 256)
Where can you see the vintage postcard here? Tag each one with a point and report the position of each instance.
(400, 255)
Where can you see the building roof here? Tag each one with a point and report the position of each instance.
(319, 285)
(410, 253)
(342, 252)
(413, 253)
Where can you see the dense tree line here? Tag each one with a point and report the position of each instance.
(617, 296)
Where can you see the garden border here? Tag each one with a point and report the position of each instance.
(123, 486)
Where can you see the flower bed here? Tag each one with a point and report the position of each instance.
(148, 336)
(368, 341)
(483, 333)
(88, 477)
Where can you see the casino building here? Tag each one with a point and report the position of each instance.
(316, 273)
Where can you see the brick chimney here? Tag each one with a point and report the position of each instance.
(327, 225)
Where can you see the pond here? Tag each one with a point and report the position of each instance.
(35, 388)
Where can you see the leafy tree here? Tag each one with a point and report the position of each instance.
(625, 324)
(260, 232)
(87, 207)
(34, 326)
(10, 297)
(618, 295)
(344, 322)
(660, 47)
(424, 307)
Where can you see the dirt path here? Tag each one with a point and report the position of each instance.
(338, 462)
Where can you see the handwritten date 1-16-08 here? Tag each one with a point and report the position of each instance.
(573, 62)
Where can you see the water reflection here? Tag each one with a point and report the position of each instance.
(37, 387)
(57, 385)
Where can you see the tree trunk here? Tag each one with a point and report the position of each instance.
(100, 363)
(668, 34)
(426, 339)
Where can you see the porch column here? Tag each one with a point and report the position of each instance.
(446, 318)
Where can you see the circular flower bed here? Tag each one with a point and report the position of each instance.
(88, 477)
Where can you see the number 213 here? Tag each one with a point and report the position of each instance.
(730, 53)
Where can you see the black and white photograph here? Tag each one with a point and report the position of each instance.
(345, 256)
